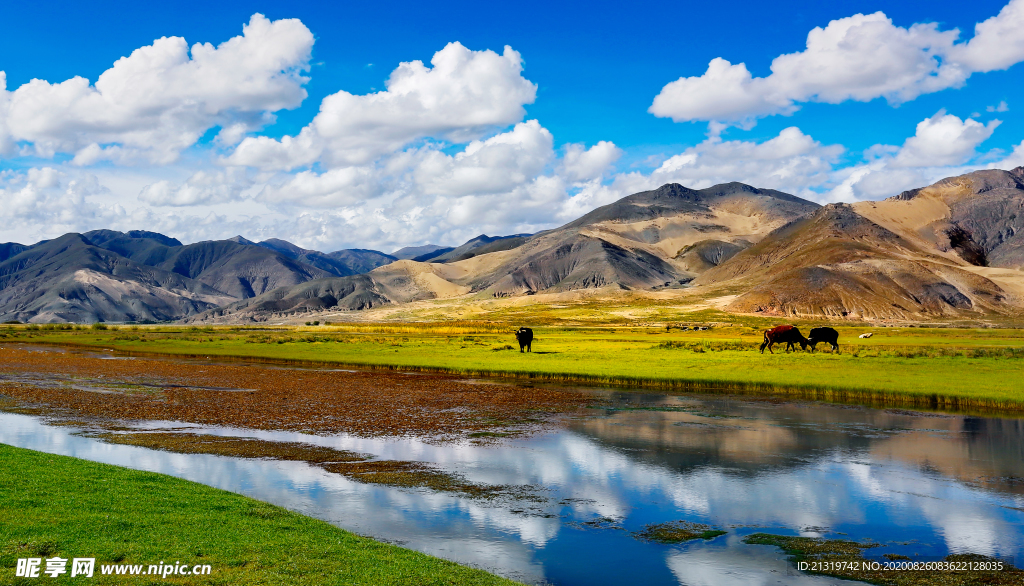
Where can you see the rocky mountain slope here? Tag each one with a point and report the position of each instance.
(952, 248)
(69, 279)
(482, 244)
(106, 275)
(340, 263)
(653, 239)
(642, 241)
(411, 252)
(837, 263)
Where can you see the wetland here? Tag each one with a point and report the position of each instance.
(547, 484)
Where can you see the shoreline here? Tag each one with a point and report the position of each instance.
(873, 398)
(123, 516)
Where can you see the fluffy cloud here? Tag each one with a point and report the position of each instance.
(337, 187)
(877, 179)
(998, 42)
(861, 57)
(203, 187)
(398, 219)
(944, 140)
(582, 164)
(463, 95)
(496, 165)
(939, 148)
(45, 202)
(725, 92)
(791, 161)
(503, 184)
(162, 98)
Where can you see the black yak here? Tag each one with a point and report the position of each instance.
(525, 338)
(828, 335)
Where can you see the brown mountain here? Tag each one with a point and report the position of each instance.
(105, 275)
(950, 249)
(653, 239)
(838, 263)
(953, 248)
(69, 279)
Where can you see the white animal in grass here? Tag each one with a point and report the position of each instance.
(867, 335)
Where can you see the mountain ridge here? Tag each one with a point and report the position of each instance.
(620, 246)
(106, 275)
(951, 249)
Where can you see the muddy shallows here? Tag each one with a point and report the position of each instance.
(320, 401)
(677, 532)
(360, 467)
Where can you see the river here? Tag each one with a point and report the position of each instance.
(922, 484)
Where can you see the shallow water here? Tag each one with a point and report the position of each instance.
(924, 485)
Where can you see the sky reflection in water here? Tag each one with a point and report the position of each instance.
(920, 484)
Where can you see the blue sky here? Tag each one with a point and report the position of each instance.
(503, 141)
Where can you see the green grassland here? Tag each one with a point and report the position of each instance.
(914, 366)
(60, 506)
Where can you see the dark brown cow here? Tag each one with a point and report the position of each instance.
(787, 335)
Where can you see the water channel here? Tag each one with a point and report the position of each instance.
(922, 484)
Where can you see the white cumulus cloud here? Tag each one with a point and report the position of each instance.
(943, 140)
(792, 162)
(202, 188)
(496, 165)
(160, 99)
(335, 187)
(942, 146)
(46, 202)
(463, 96)
(582, 164)
(860, 57)
(998, 42)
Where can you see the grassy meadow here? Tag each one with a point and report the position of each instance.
(923, 367)
(60, 506)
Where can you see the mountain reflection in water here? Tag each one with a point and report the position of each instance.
(921, 484)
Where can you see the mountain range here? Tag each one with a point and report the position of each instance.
(106, 275)
(954, 248)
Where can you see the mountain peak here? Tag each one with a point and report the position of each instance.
(282, 246)
(664, 194)
(165, 240)
(968, 184)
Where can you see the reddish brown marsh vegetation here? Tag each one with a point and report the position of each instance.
(319, 401)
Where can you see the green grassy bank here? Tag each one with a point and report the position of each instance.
(941, 368)
(60, 506)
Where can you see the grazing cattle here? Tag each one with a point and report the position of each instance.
(525, 338)
(787, 335)
(867, 335)
(828, 335)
